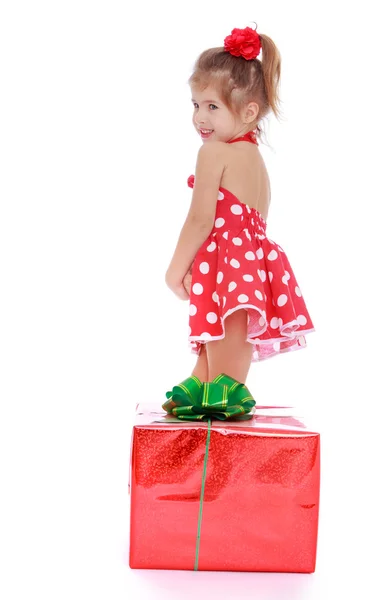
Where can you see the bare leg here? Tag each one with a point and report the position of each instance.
(232, 355)
(201, 369)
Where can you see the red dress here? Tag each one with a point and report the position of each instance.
(238, 267)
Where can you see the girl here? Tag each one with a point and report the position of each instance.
(245, 302)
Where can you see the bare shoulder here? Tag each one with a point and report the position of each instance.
(211, 157)
(213, 148)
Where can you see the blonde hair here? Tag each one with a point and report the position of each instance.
(239, 81)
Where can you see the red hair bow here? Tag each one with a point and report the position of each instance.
(243, 42)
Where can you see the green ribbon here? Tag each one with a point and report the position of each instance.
(224, 398)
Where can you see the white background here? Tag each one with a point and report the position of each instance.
(96, 147)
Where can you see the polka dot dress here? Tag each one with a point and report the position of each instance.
(238, 267)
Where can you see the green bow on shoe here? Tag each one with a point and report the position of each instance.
(223, 398)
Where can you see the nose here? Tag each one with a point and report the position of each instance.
(200, 122)
(199, 118)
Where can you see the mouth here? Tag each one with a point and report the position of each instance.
(206, 132)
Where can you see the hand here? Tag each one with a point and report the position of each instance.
(176, 287)
(187, 281)
(181, 292)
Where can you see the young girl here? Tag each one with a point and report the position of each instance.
(245, 301)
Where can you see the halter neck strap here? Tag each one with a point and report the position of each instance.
(250, 136)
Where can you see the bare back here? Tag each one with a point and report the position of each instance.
(245, 175)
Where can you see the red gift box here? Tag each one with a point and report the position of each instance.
(251, 506)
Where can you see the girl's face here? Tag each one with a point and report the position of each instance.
(211, 114)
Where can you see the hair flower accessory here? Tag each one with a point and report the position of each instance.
(243, 42)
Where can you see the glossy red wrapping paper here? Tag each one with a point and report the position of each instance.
(261, 493)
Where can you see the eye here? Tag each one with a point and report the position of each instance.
(196, 105)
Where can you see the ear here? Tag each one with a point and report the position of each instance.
(250, 112)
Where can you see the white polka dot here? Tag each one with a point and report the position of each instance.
(248, 235)
(211, 247)
(302, 320)
(281, 300)
(211, 317)
(204, 267)
(220, 195)
(192, 309)
(234, 263)
(232, 286)
(226, 260)
(225, 235)
(242, 298)
(250, 255)
(237, 241)
(262, 274)
(280, 322)
(224, 301)
(297, 291)
(260, 253)
(248, 277)
(205, 336)
(252, 221)
(258, 294)
(261, 321)
(270, 275)
(219, 277)
(286, 277)
(236, 209)
(215, 297)
(189, 330)
(274, 323)
(276, 346)
(272, 255)
(219, 222)
(197, 289)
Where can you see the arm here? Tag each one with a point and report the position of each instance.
(200, 219)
